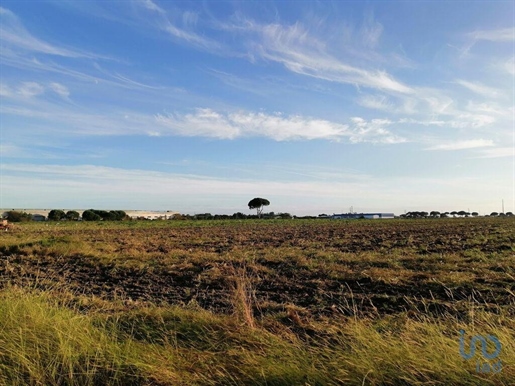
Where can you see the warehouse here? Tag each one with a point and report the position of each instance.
(348, 216)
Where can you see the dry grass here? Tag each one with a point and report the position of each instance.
(255, 303)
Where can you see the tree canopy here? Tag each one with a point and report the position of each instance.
(258, 203)
(56, 215)
(72, 215)
(97, 215)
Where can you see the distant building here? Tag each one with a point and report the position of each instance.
(349, 216)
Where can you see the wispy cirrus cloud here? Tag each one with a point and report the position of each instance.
(26, 90)
(24, 51)
(301, 52)
(60, 89)
(462, 145)
(190, 37)
(497, 152)
(149, 4)
(15, 36)
(296, 50)
(509, 66)
(479, 88)
(496, 35)
(371, 31)
(183, 32)
(30, 89)
(9, 150)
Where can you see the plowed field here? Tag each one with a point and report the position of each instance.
(438, 267)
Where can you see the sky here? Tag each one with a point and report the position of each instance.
(200, 106)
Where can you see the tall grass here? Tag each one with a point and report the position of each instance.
(43, 342)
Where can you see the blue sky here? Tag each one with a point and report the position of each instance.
(200, 106)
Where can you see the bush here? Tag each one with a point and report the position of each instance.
(16, 216)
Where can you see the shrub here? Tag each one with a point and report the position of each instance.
(17, 216)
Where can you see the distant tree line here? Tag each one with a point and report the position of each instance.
(71, 215)
(234, 216)
(461, 213)
(119, 215)
(104, 215)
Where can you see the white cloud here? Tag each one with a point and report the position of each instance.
(189, 18)
(190, 37)
(60, 89)
(371, 31)
(209, 123)
(479, 88)
(373, 131)
(165, 23)
(30, 89)
(461, 145)
(5, 91)
(498, 35)
(376, 102)
(498, 152)
(13, 34)
(9, 150)
(203, 122)
(310, 62)
(150, 5)
(294, 47)
(509, 66)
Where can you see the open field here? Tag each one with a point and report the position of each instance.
(256, 302)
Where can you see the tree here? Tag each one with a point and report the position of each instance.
(118, 215)
(494, 214)
(475, 214)
(56, 215)
(90, 215)
(72, 215)
(258, 203)
(15, 216)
